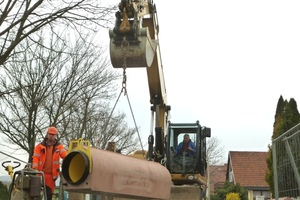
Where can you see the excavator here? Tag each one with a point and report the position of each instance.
(134, 43)
(163, 173)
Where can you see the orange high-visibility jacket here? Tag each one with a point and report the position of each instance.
(39, 157)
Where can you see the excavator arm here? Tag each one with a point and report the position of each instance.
(134, 43)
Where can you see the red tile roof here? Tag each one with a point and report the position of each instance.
(249, 168)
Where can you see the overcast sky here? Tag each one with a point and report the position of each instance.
(226, 63)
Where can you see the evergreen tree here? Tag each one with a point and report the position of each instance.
(286, 117)
(291, 115)
(278, 123)
(270, 175)
(4, 193)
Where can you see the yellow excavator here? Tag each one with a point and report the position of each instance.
(164, 173)
(134, 43)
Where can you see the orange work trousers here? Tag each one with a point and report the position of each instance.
(49, 181)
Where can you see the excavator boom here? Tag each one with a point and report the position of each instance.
(134, 43)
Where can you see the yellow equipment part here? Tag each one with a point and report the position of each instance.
(188, 178)
(139, 154)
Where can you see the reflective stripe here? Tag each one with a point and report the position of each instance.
(37, 154)
(56, 162)
(62, 150)
(34, 165)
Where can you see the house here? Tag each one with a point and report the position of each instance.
(249, 170)
(217, 177)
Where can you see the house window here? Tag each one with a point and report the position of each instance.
(230, 176)
(264, 194)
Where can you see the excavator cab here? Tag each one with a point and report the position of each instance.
(187, 166)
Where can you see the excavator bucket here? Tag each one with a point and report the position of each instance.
(129, 52)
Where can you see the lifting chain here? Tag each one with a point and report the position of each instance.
(124, 45)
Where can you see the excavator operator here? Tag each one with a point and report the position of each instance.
(186, 146)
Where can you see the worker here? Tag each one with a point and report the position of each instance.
(46, 157)
(186, 146)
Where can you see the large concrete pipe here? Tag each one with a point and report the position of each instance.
(94, 171)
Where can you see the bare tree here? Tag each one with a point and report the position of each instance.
(215, 151)
(20, 110)
(69, 87)
(117, 130)
(19, 19)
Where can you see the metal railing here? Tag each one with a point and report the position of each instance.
(286, 163)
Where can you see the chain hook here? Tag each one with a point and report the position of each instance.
(124, 45)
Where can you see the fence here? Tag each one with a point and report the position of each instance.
(286, 163)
